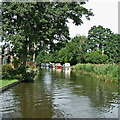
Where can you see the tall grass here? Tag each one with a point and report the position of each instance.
(102, 71)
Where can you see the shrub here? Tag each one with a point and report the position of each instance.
(28, 74)
(29, 66)
(6, 68)
(23, 73)
(7, 72)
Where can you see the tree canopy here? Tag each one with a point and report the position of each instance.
(100, 38)
(73, 52)
(27, 25)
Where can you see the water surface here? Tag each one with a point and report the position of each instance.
(60, 94)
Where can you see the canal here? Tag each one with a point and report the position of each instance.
(61, 94)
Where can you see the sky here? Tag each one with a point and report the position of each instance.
(105, 14)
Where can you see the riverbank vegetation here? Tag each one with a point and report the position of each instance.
(102, 71)
(16, 71)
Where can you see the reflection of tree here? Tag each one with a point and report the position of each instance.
(53, 81)
(58, 83)
(38, 99)
(61, 78)
(100, 93)
(34, 100)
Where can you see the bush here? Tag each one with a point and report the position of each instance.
(8, 72)
(23, 73)
(28, 74)
(6, 68)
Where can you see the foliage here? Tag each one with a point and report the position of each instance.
(74, 51)
(98, 37)
(112, 49)
(81, 46)
(104, 71)
(57, 46)
(19, 73)
(95, 57)
(16, 62)
(54, 56)
(62, 55)
(30, 24)
(29, 66)
(105, 40)
(40, 58)
(28, 74)
(71, 52)
(9, 73)
(6, 68)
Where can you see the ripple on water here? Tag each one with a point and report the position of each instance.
(59, 96)
(9, 105)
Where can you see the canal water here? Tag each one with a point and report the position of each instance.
(61, 94)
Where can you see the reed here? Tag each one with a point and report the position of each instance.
(102, 71)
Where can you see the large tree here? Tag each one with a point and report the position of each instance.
(112, 48)
(31, 25)
(100, 38)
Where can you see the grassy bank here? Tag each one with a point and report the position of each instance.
(101, 71)
(6, 82)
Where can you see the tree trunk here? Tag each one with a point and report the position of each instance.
(34, 55)
(102, 51)
(24, 54)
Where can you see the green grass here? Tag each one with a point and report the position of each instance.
(102, 71)
(6, 82)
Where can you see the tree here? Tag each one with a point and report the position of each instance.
(105, 40)
(112, 48)
(74, 51)
(54, 56)
(81, 45)
(62, 54)
(26, 24)
(16, 24)
(98, 37)
(96, 57)
(40, 58)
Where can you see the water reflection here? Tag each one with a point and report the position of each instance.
(61, 94)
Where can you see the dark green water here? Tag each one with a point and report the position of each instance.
(56, 94)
